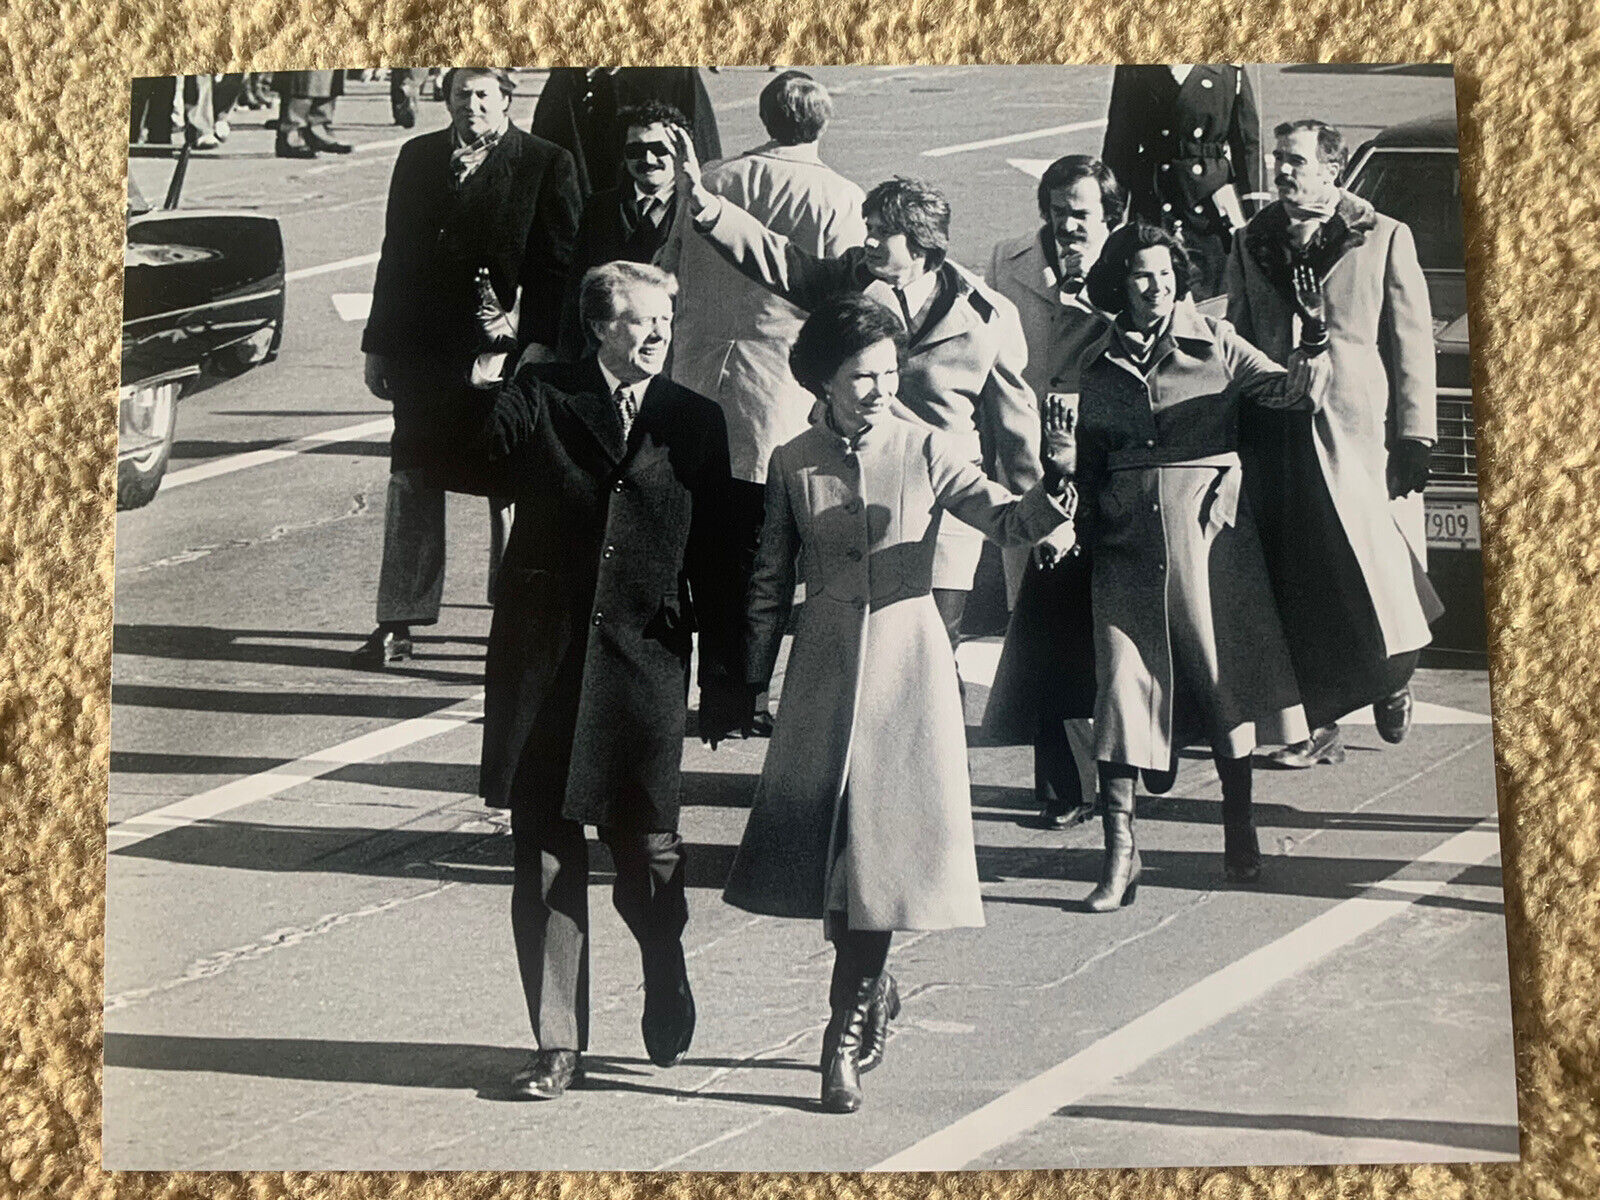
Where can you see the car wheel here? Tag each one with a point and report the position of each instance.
(148, 418)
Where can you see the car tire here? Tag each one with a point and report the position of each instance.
(139, 475)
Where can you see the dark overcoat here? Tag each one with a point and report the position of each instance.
(608, 231)
(516, 215)
(1174, 145)
(577, 110)
(617, 555)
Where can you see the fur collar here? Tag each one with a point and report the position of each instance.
(1266, 239)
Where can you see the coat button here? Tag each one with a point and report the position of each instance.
(1166, 208)
(1150, 442)
(1166, 166)
(608, 552)
(618, 486)
(1166, 133)
(1206, 83)
(599, 617)
(1155, 508)
(854, 554)
(1198, 132)
(1198, 169)
(852, 506)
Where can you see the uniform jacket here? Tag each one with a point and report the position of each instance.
(1180, 589)
(608, 231)
(616, 556)
(962, 373)
(516, 215)
(869, 733)
(1173, 145)
(577, 110)
(1382, 383)
(732, 337)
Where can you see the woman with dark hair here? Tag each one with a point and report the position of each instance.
(862, 817)
(1188, 644)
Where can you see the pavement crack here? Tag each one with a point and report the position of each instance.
(357, 507)
(224, 961)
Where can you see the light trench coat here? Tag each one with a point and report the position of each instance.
(1188, 643)
(867, 771)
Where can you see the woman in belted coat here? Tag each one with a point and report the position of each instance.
(1188, 643)
(863, 813)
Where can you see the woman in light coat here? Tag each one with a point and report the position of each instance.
(1188, 643)
(863, 813)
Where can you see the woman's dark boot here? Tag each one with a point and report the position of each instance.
(875, 1036)
(1119, 874)
(1241, 851)
(841, 1046)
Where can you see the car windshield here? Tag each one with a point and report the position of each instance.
(1423, 189)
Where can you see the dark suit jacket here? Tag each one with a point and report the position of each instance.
(517, 215)
(1175, 145)
(608, 231)
(619, 551)
(577, 110)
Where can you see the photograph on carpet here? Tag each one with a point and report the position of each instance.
(976, 657)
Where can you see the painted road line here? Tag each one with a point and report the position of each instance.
(1219, 995)
(211, 804)
(201, 472)
(1011, 139)
(353, 306)
(344, 264)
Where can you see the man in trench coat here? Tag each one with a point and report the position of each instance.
(1357, 618)
(617, 556)
(965, 354)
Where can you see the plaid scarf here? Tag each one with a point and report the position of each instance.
(465, 158)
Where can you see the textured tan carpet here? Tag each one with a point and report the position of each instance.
(1529, 81)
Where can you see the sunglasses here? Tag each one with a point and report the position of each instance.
(639, 151)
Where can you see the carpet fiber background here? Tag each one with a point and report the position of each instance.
(1528, 78)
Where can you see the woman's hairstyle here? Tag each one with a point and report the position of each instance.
(795, 108)
(501, 77)
(837, 329)
(649, 112)
(916, 209)
(600, 294)
(1066, 171)
(1107, 283)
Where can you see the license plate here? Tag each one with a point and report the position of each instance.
(1452, 524)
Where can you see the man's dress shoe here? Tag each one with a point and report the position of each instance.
(294, 150)
(548, 1075)
(1325, 745)
(1392, 716)
(327, 145)
(383, 646)
(668, 1023)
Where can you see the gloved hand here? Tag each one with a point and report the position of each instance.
(1407, 469)
(726, 709)
(1312, 306)
(494, 322)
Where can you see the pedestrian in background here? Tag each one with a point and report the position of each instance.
(733, 335)
(1185, 140)
(863, 814)
(480, 225)
(1341, 494)
(306, 103)
(1043, 690)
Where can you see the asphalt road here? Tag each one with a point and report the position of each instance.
(308, 952)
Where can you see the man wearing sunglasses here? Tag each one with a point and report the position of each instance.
(632, 221)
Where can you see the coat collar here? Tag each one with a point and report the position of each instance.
(806, 153)
(590, 402)
(1266, 239)
(1189, 331)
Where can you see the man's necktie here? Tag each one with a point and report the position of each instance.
(905, 312)
(627, 408)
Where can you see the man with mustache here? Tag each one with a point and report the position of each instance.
(965, 351)
(1044, 686)
(1346, 556)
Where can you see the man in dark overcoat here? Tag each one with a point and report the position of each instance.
(306, 102)
(619, 552)
(479, 210)
(631, 221)
(1185, 141)
(578, 108)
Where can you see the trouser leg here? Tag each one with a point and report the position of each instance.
(550, 924)
(319, 115)
(500, 513)
(649, 888)
(405, 85)
(294, 115)
(411, 580)
(199, 119)
(747, 503)
(226, 94)
(152, 108)
(1241, 851)
(1057, 786)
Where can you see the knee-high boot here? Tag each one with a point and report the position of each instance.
(1119, 874)
(1241, 852)
(859, 958)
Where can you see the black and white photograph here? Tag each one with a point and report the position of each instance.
(800, 618)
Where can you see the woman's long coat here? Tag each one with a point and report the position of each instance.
(870, 741)
(1188, 644)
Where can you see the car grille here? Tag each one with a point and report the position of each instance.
(1455, 454)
